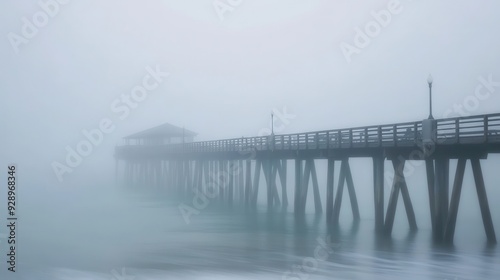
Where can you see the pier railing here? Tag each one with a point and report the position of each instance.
(460, 130)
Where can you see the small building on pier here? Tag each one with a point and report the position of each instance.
(141, 154)
(161, 135)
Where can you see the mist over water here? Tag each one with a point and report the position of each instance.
(76, 77)
(107, 233)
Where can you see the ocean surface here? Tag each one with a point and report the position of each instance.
(125, 236)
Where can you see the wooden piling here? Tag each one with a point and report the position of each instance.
(483, 201)
(393, 199)
(298, 185)
(256, 182)
(282, 174)
(441, 192)
(248, 182)
(231, 174)
(340, 192)
(352, 192)
(449, 231)
(429, 167)
(305, 186)
(329, 189)
(241, 186)
(378, 191)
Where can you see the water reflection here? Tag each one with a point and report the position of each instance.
(151, 237)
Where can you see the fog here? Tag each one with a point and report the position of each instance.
(220, 68)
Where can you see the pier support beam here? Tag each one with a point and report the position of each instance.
(317, 199)
(206, 175)
(241, 185)
(352, 193)
(399, 184)
(378, 192)
(483, 200)
(449, 231)
(445, 232)
(221, 178)
(199, 175)
(305, 186)
(429, 167)
(256, 181)
(345, 176)
(188, 178)
(298, 185)
(274, 186)
(232, 175)
(310, 173)
(270, 182)
(248, 182)
(441, 193)
(329, 189)
(282, 175)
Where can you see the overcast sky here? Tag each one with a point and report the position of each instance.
(230, 66)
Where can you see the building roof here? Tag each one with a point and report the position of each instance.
(164, 130)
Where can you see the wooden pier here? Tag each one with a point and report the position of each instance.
(229, 170)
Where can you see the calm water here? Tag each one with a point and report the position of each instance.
(84, 236)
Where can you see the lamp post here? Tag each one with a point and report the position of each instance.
(183, 135)
(429, 81)
(272, 123)
(271, 137)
